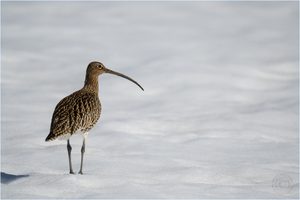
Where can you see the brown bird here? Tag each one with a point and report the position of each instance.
(80, 111)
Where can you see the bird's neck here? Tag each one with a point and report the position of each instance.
(91, 83)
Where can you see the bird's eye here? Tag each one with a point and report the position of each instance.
(100, 67)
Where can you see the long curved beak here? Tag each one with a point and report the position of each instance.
(124, 76)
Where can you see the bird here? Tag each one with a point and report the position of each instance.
(80, 111)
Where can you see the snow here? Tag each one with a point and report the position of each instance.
(218, 117)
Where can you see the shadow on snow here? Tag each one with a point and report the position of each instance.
(7, 178)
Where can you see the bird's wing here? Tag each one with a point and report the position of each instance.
(78, 111)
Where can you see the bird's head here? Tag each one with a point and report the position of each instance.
(97, 68)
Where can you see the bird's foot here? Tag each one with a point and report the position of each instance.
(71, 172)
(80, 172)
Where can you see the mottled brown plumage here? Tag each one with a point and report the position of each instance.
(80, 111)
(77, 112)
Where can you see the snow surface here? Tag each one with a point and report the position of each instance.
(218, 117)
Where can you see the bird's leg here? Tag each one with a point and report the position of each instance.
(82, 153)
(69, 154)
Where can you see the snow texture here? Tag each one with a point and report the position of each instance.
(218, 117)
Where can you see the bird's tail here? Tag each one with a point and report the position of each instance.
(50, 137)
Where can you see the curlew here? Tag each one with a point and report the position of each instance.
(80, 111)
